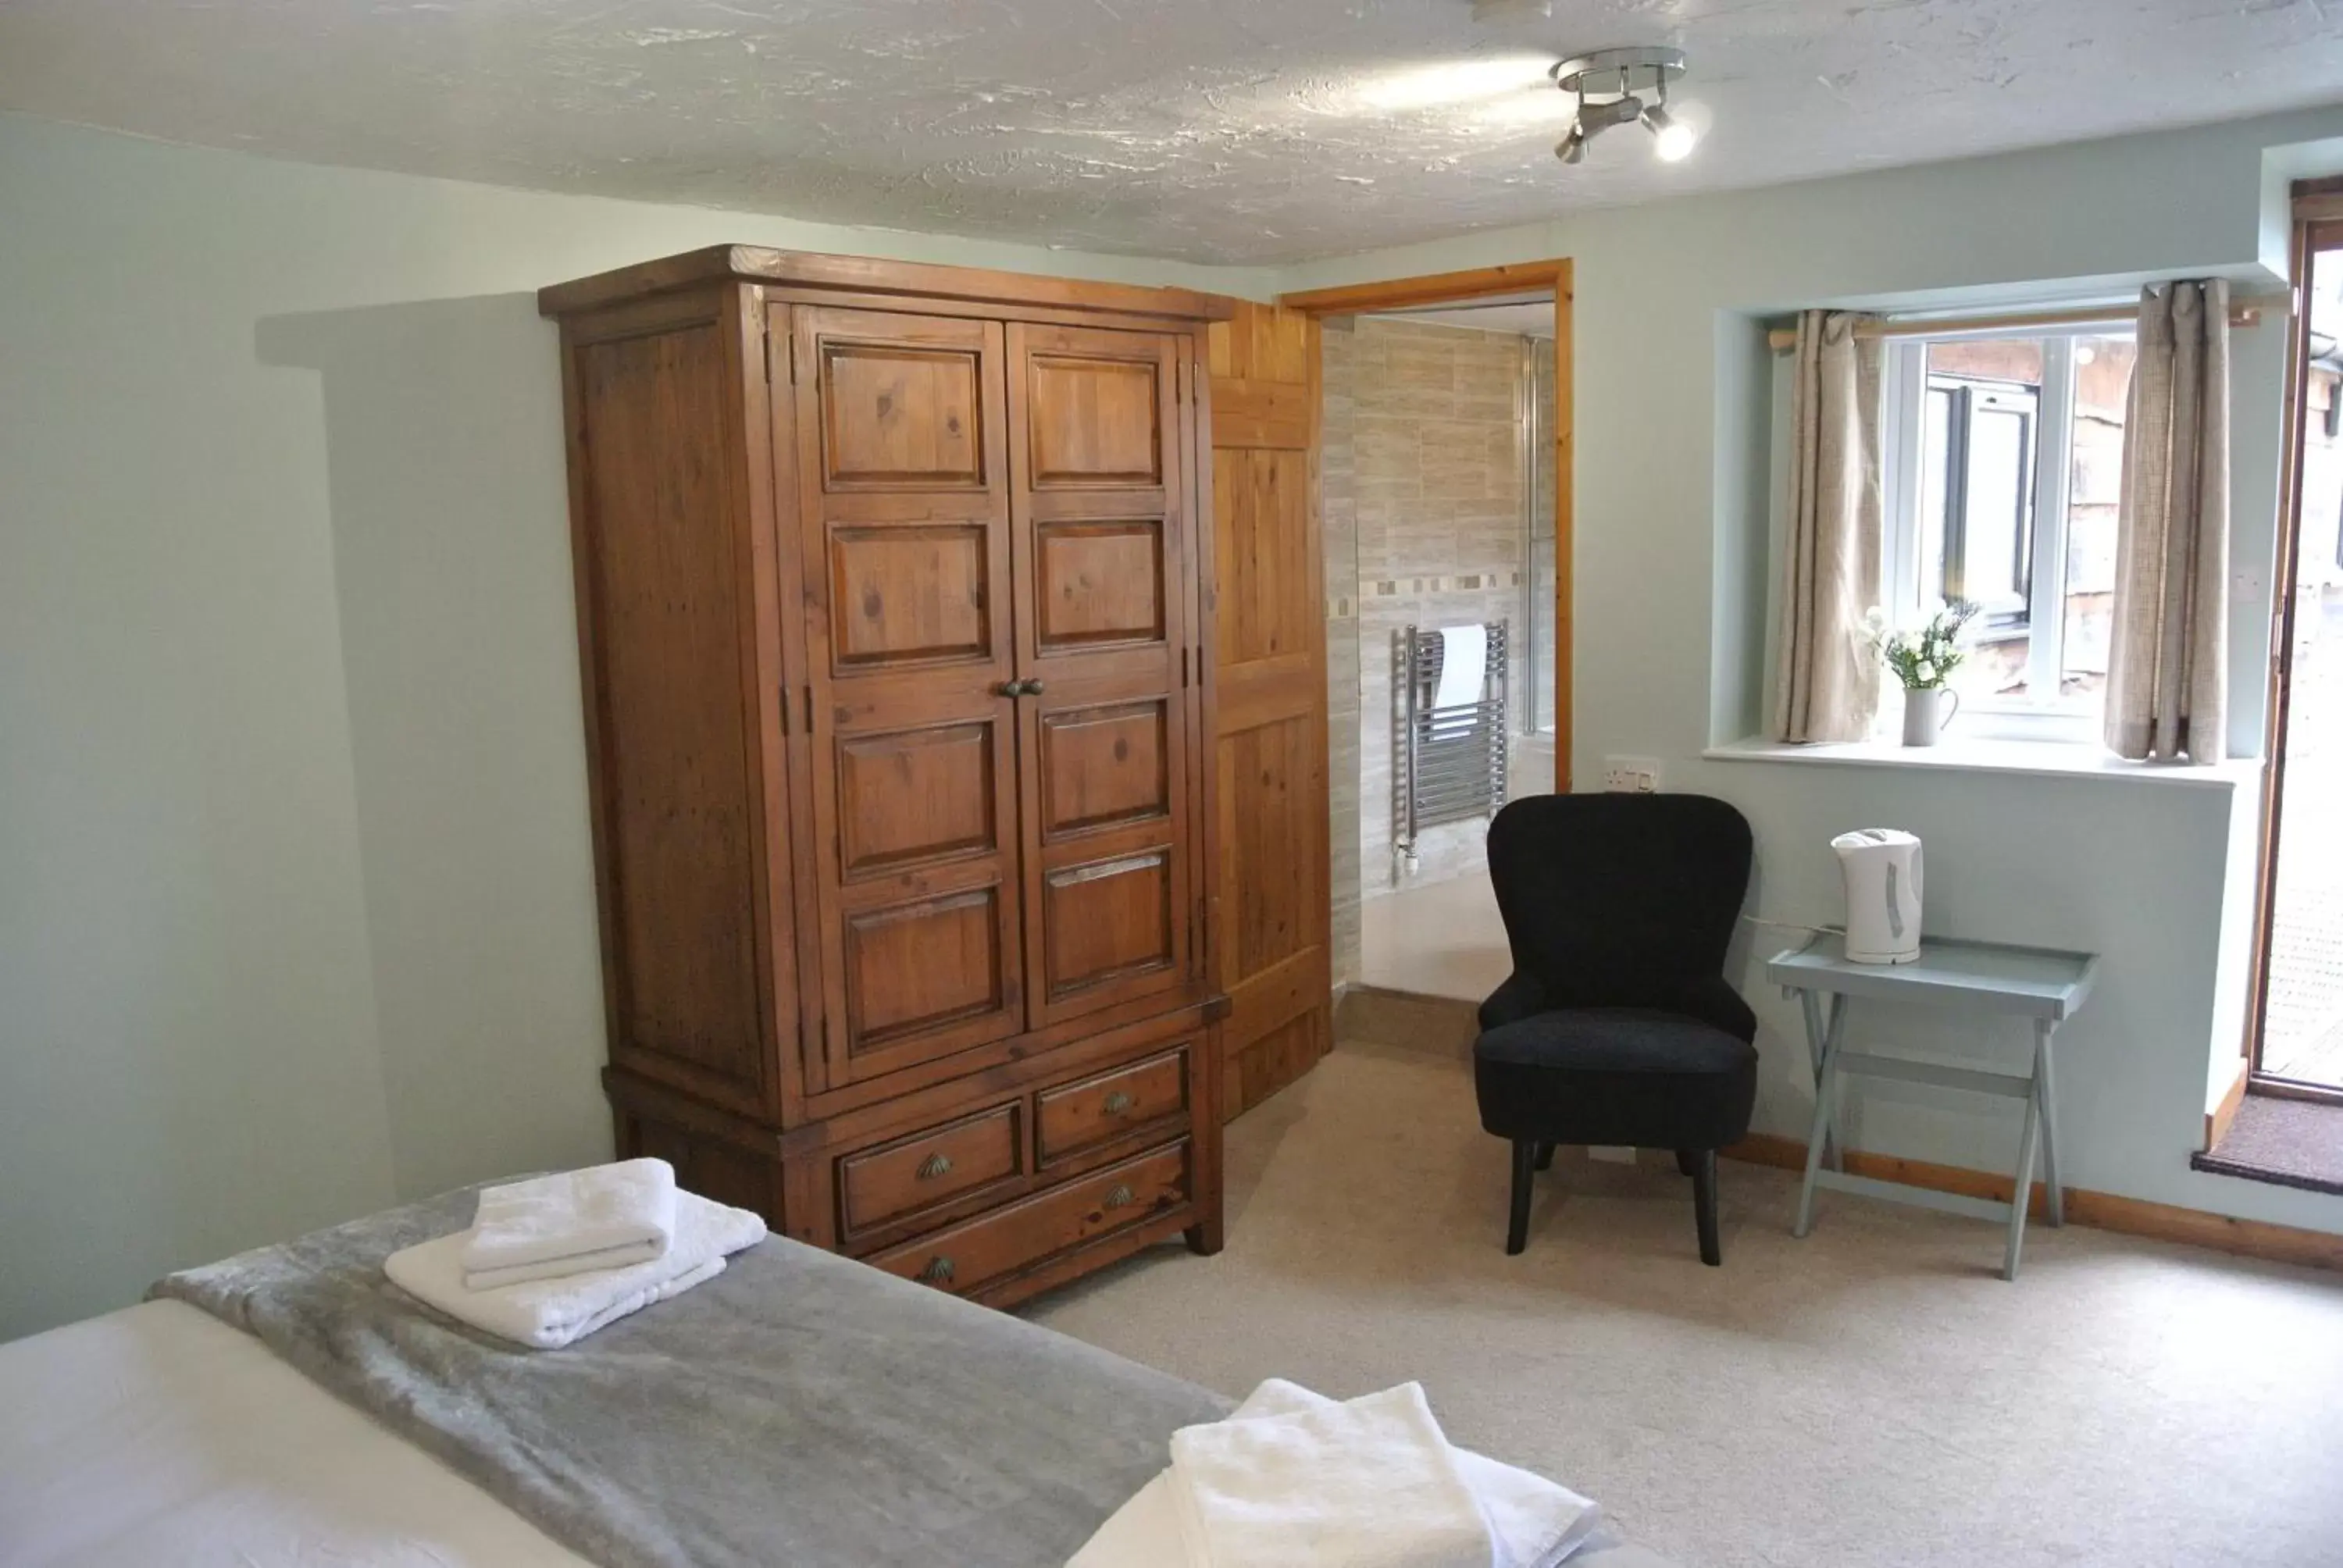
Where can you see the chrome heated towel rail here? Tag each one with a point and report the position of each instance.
(1451, 762)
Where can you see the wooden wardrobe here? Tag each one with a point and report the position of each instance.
(893, 616)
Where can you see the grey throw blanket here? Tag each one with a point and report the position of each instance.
(800, 1409)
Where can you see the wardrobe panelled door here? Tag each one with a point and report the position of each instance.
(892, 617)
(998, 648)
(1101, 635)
(903, 488)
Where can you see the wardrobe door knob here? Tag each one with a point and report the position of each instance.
(1032, 688)
(1013, 688)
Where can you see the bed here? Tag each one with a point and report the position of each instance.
(800, 1409)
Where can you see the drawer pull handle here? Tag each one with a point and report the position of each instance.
(1120, 1197)
(933, 1166)
(938, 1271)
(1118, 1102)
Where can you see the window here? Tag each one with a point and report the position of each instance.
(2003, 474)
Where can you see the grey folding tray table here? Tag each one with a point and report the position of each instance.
(1989, 979)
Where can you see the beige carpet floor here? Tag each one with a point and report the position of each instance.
(1871, 1395)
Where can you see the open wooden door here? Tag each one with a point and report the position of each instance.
(1271, 884)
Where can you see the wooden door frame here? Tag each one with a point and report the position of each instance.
(2317, 213)
(1483, 283)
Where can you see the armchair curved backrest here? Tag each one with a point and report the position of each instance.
(1624, 900)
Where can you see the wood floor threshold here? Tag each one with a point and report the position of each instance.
(2295, 1088)
(2103, 1211)
(2272, 1175)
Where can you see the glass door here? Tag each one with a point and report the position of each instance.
(2298, 1043)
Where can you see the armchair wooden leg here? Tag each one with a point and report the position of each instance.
(1545, 1157)
(1704, 1202)
(1517, 1225)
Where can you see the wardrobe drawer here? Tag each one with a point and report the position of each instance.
(928, 1168)
(1079, 1116)
(969, 1256)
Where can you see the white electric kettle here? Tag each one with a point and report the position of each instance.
(1882, 867)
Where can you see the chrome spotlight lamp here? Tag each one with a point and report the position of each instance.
(1607, 83)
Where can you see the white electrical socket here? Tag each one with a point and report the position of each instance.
(1632, 775)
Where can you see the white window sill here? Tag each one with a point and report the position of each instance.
(2045, 760)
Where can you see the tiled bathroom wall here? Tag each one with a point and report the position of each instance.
(1423, 475)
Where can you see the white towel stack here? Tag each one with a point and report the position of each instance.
(572, 1223)
(1295, 1479)
(550, 1260)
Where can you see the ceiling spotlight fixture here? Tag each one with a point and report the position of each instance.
(1672, 139)
(1606, 82)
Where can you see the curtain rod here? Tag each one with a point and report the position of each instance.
(2242, 313)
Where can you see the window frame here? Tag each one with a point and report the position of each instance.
(1905, 386)
(1966, 396)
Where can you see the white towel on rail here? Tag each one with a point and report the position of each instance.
(570, 1222)
(547, 1314)
(1532, 1523)
(1463, 665)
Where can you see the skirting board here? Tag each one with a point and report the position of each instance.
(2104, 1211)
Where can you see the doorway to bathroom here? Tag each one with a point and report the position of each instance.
(1439, 430)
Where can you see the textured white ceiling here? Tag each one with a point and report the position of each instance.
(1209, 130)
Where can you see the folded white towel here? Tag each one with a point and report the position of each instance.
(550, 1314)
(571, 1222)
(1367, 1483)
(1533, 1523)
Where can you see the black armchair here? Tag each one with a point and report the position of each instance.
(1618, 1026)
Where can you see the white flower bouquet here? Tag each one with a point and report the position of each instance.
(1924, 660)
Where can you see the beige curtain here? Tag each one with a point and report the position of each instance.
(1826, 676)
(2167, 655)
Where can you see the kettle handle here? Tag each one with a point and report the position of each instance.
(1919, 853)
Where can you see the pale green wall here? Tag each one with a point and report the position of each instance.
(296, 908)
(1675, 435)
(296, 902)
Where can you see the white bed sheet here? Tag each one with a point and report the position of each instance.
(158, 1434)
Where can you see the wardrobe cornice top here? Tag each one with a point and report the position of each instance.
(866, 276)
